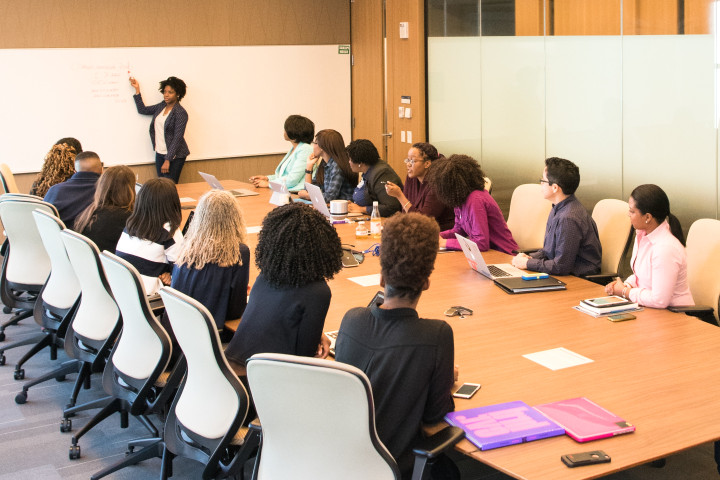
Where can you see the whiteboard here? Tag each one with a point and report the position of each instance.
(237, 99)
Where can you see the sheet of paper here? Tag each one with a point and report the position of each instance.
(367, 280)
(255, 229)
(557, 358)
(186, 199)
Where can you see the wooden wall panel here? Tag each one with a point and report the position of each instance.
(650, 17)
(587, 17)
(698, 17)
(529, 18)
(405, 76)
(367, 72)
(139, 23)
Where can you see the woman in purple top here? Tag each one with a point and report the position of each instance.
(460, 184)
(418, 195)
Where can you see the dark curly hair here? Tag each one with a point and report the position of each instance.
(176, 84)
(297, 246)
(428, 151)
(455, 178)
(363, 151)
(405, 268)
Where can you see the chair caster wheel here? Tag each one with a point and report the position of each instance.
(2, 359)
(60, 378)
(2, 336)
(74, 453)
(19, 374)
(65, 425)
(21, 398)
(7, 309)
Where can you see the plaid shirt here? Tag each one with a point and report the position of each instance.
(336, 186)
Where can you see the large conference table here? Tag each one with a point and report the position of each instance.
(659, 372)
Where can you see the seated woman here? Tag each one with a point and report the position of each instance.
(297, 252)
(151, 240)
(365, 159)
(418, 195)
(658, 261)
(331, 168)
(58, 166)
(213, 266)
(299, 131)
(104, 220)
(459, 183)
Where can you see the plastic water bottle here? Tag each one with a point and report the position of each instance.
(375, 225)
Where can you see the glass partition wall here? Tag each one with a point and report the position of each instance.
(626, 89)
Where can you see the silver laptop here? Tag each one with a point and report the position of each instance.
(317, 198)
(477, 262)
(237, 192)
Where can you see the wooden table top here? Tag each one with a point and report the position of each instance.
(658, 372)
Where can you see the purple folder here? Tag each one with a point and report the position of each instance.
(496, 426)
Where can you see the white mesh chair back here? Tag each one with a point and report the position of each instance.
(614, 227)
(97, 315)
(138, 350)
(703, 250)
(208, 403)
(528, 216)
(316, 412)
(28, 262)
(62, 288)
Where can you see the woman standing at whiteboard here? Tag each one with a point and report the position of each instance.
(299, 131)
(167, 129)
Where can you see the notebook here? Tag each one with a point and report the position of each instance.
(237, 192)
(504, 424)
(585, 420)
(518, 285)
(477, 262)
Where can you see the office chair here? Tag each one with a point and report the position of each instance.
(58, 297)
(95, 325)
(616, 234)
(205, 421)
(26, 265)
(703, 250)
(319, 412)
(528, 216)
(138, 359)
(8, 179)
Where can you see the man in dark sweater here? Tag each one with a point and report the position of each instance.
(409, 360)
(74, 195)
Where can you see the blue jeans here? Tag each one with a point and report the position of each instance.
(176, 167)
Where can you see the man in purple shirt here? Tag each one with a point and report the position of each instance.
(572, 245)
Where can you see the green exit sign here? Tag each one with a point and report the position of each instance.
(344, 49)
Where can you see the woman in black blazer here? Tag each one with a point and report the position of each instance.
(167, 129)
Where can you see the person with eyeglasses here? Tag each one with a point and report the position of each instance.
(571, 245)
(418, 195)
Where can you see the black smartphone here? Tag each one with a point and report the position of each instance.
(585, 458)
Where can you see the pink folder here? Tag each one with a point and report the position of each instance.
(584, 420)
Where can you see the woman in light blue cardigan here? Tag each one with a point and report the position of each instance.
(299, 131)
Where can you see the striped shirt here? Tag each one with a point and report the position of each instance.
(150, 258)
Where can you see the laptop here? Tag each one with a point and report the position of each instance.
(585, 420)
(477, 263)
(318, 201)
(237, 192)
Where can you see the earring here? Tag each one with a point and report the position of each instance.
(647, 220)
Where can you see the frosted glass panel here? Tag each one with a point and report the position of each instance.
(513, 112)
(584, 111)
(669, 135)
(454, 100)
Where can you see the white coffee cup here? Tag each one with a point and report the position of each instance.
(338, 209)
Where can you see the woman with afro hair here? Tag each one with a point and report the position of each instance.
(297, 252)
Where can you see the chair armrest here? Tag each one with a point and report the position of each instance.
(433, 446)
(601, 278)
(703, 312)
(526, 251)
